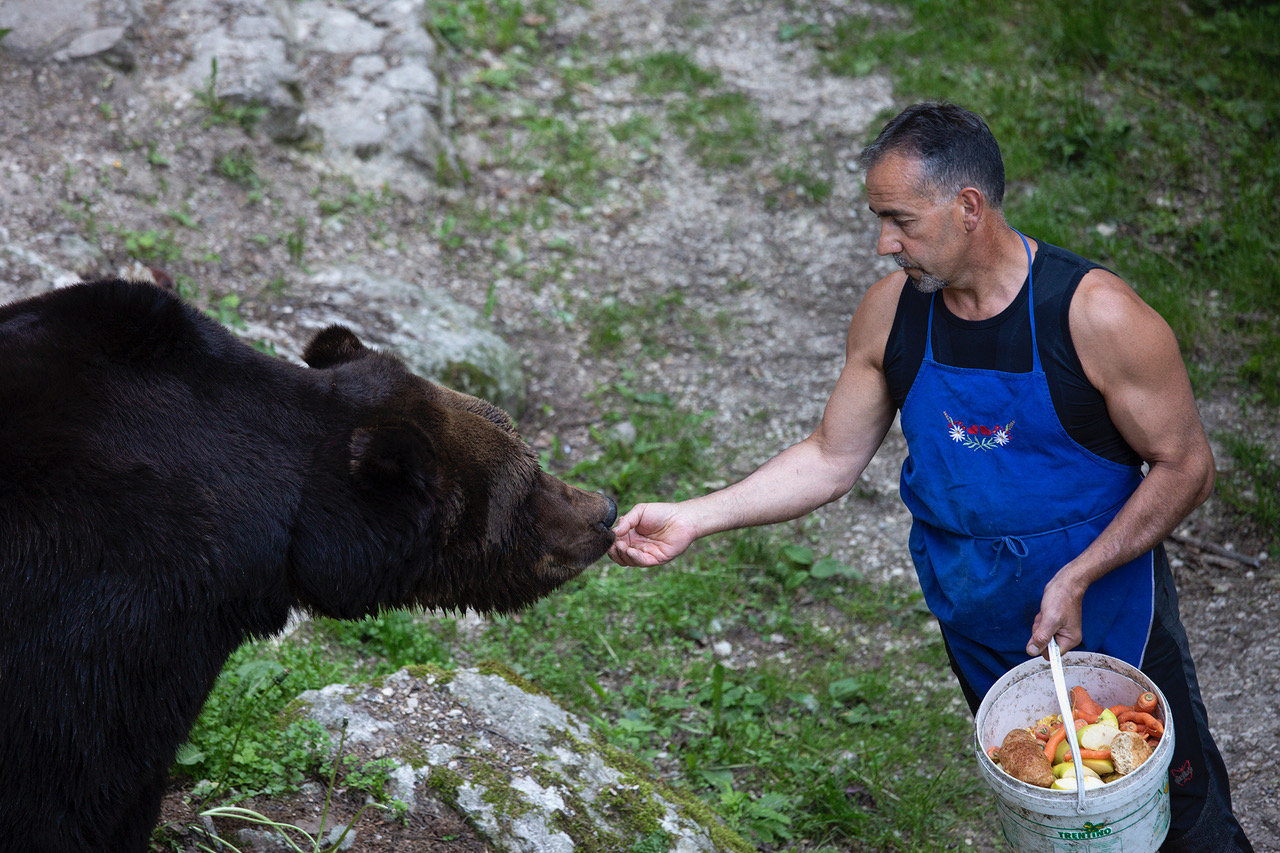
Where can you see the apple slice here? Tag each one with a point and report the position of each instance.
(1096, 736)
(1068, 783)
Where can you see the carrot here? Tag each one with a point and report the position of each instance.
(1051, 745)
(1042, 732)
(1145, 703)
(1120, 709)
(1131, 726)
(1154, 727)
(1103, 754)
(994, 754)
(1083, 706)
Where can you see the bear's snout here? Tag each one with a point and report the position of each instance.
(575, 525)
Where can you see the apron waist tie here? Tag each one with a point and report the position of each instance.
(1016, 547)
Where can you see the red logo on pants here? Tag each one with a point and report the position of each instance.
(1182, 775)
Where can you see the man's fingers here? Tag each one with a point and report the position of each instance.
(628, 522)
(625, 555)
(1041, 633)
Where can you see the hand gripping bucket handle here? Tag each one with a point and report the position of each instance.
(1064, 706)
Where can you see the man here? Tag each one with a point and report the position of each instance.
(1032, 386)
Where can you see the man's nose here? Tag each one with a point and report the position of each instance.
(888, 244)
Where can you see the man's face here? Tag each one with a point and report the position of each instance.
(915, 227)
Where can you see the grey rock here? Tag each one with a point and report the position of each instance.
(413, 79)
(414, 134)
(342, 836)
(41, 273)
(379, 120)
(437, 337)
(260, 841)
(335, 29)
(329, 707)
(64, 30)
(517, 714)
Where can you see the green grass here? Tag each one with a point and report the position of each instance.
(670, 71)
(495, 25)
(1252, 485)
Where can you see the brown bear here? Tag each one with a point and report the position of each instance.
(166, 492)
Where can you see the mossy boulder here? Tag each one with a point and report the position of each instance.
(523, 772)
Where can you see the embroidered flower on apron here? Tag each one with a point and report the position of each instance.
(977, 437)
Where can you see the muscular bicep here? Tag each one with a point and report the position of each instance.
(1130, 355)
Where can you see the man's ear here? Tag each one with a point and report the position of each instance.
(973, 205)
(390, 458)
(333, 346)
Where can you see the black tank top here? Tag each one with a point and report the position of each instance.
(1003, 342)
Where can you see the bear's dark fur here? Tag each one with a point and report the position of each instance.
(167, 492)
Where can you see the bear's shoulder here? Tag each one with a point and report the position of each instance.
(111, 319)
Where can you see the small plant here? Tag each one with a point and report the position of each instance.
(184, 218)
(314, 842)
(371, 776)
(363, 203)
(763, 816)
(239, 167)
(224, 111)
(151, 245)
(296, 241)
(227, 312)
(447, 232)
(155, 159)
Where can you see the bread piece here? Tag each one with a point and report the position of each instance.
(1023, 758)
(1128, 750)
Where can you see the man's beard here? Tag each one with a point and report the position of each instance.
(927, 282)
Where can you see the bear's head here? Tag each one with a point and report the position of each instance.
(461, 512)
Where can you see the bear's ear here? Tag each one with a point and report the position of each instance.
(333, 346)
(390, 458)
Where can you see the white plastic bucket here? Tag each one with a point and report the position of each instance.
(1130, 815)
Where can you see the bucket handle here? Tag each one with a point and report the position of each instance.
(1064, 706)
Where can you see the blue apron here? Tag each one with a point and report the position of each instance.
(1001, 498)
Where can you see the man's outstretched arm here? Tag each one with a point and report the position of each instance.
(805, 476)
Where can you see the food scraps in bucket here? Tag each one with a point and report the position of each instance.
(1113, 743)
(1022, 758)
(1128, 750)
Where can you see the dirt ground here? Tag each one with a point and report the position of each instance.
(730, 294)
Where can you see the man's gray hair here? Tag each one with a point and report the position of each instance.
(954, 146)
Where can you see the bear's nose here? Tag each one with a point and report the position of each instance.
(611, 515)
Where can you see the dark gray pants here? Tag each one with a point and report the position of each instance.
(1201, 820)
